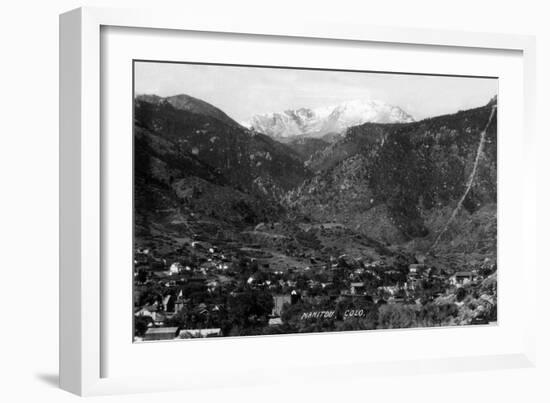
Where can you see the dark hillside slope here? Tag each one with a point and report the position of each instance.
(391, 181)
(306, 147)
(248, 161)
(191, 104)
(193, 171)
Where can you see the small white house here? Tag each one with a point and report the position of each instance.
(212, 285)
(275, 322)
(462, 278)
(176, 268)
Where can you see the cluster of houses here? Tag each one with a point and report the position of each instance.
(373, 280)
(148, 269)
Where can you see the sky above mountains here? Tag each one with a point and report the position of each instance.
(242, 92)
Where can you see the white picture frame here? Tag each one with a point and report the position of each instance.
(82, 177)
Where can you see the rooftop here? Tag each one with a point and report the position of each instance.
(464, 274)
(159, 330)
(200, 332)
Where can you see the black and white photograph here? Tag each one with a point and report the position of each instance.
(243, 201)
(280, 200)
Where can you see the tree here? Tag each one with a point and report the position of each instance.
(141, 276)
(254, 267)
(196, 291)
(461, 294)
(436, 314)
(150, 295)
(250, 307)
(396, 316)
(141, 324)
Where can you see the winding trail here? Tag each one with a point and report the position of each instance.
(470, 179)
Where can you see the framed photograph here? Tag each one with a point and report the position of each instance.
(303, 198)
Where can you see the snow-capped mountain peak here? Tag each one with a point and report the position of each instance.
(321, 121)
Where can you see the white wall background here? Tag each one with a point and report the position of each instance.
(29, 201)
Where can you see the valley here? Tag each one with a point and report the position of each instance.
(244, 232)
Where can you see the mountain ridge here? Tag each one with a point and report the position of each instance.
(188, 103)
(328, 120)
(392, 182)
(397, 181)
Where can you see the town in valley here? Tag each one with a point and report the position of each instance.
(343, 218)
